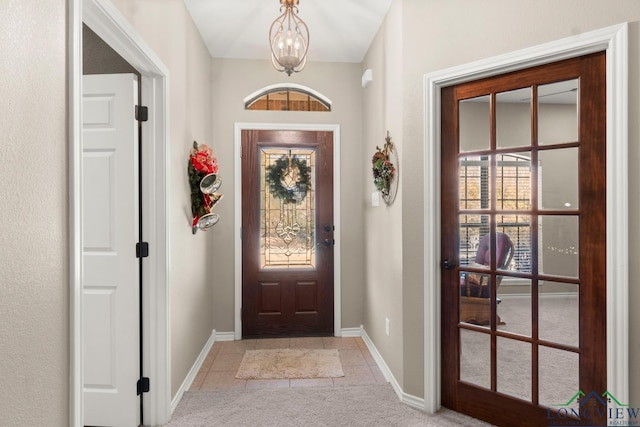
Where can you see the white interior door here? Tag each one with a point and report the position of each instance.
(110, 221)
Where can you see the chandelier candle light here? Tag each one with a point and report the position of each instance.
(289, 39)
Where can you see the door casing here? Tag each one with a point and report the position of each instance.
(110, 25)
(239, 127)
(614, 41)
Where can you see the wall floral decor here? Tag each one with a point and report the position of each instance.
(204, 182)
(385, 170)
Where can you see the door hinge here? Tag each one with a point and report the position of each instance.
(142, 385)
(142, 113)
(142, 250)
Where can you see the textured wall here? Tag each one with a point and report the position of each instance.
(169, 30)
(452, 38)
(382, 111)
(34, 292)
(232, 81)
(447, 38)
(34, 286)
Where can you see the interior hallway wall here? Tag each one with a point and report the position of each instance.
(382, 111)
(448, 38)
(34, 278)
(169, 30)
(233, 80)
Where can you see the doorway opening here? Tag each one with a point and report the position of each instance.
(109, 24)
(288, 233)
(241, 204)
(111, 174)
(612, 40)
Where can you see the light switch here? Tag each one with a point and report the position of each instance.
(375, 198)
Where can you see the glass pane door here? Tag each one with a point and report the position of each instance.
(287, 208)
(523, 309)
(506, 192)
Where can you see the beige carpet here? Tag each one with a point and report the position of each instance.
(356, 406)
(290, 363)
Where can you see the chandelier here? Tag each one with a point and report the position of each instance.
(289, 39)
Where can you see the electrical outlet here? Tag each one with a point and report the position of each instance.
(387, 325)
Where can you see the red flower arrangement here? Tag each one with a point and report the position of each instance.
(203, 160)
(202, 169)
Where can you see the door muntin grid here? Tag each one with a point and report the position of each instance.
(500, 190)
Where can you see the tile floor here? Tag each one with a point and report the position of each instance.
(219, 368)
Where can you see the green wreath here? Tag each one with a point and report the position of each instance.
(289, 179)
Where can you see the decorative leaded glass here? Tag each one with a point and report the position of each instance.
(287, 208)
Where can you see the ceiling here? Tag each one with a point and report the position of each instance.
(339, 30)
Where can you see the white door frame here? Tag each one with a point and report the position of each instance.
(337, 283)
(613, 40)
(108, 23)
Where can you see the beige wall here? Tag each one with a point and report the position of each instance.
(432, 35)
(382, 111)
(34, 279)
(447, 38)
(169, 30)
(232, 81)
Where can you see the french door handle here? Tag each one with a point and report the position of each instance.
(449, 264)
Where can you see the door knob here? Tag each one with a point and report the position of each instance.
(449, 264)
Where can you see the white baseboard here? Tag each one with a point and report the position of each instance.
(225, 336)
(186, 384)
(413, 401)
(351, 332)
(406, 398)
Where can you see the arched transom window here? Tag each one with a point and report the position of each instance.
(287, 97)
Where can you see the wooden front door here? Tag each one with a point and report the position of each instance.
(287, 233)
(524, 316)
